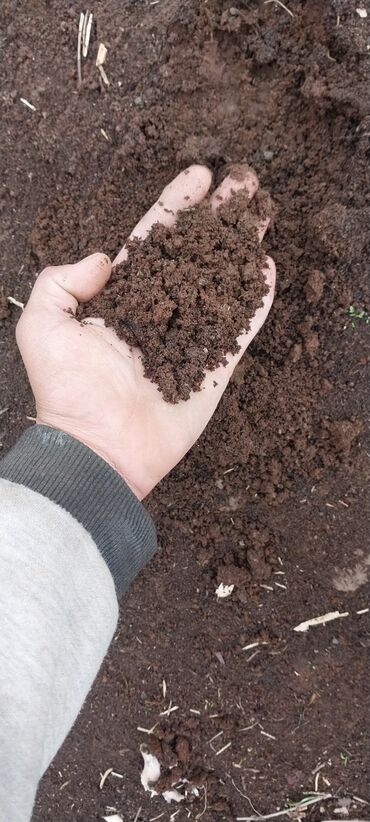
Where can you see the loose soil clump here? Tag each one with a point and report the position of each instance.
(186, 292)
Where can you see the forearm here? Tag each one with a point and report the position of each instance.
(62, 562)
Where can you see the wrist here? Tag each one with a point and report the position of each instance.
(67, 471)
(93, 444)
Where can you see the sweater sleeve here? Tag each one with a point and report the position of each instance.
(72, 537)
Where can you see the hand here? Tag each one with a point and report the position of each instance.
(89, 384)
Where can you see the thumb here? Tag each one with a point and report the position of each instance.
(62, 287)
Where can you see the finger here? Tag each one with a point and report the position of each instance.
(244, 180)
(235, 182)
(187, 189)
(62, 287)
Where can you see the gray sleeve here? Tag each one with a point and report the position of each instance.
(72, 535)
(58, 611)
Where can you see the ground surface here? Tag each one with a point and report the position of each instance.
(272, 498)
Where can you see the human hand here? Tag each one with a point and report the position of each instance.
(91, 385)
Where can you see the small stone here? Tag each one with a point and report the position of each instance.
(268, 155)
(139, 101)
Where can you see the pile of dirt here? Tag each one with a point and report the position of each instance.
(185, 293)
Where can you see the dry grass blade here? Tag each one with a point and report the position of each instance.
(87, 33)
(79, 45)
(301, 805)
(104, 776)
(282, 5)
(104, 75)
(27, 104)
(13, 301)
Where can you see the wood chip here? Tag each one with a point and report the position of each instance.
(320, 620)
(101, 55)
(224, 591)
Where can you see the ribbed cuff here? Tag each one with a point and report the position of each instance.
(68, 473)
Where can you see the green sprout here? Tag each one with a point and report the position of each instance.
(344, 757)
(358, 314)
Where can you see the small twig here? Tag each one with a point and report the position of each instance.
(147, 730)
(223, 749)
(171, 708)
(248, 727)
(255, 653)
(137, 814)
(4, 410)
(282, 6)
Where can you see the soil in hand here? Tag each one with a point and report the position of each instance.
(186, 292)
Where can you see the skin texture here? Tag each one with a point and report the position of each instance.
(90, 384)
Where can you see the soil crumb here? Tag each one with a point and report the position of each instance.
(186, 292)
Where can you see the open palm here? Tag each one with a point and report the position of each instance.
(91, 385)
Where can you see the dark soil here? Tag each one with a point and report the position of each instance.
(272, 498)
(185, 293)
